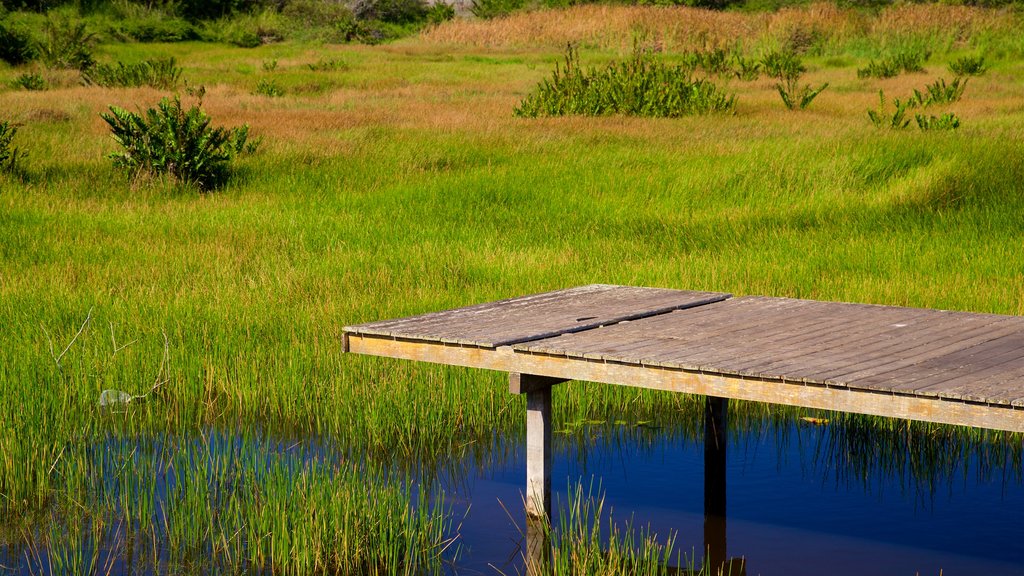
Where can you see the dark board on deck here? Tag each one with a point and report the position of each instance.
(538, 316)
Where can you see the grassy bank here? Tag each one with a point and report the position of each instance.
(394, 180)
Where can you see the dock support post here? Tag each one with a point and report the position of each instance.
(715, 414)
(538, 466)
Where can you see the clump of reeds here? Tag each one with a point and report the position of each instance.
(640, 86)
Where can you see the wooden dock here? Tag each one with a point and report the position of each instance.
(919, 364)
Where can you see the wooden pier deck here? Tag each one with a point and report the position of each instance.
(937, 366)
(919, 364)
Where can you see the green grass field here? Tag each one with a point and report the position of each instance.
(394, 180)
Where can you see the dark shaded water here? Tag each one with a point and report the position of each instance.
(793, 507)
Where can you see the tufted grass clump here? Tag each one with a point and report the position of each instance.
(947, 121)
(31, 81)
(640, 86)
(891, 66)
(170, 140)
(939, 92)
(968, 66)
(162, 73)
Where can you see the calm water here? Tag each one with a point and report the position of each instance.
(798, 502)
(792, 510)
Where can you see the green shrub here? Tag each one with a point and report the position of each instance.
(391, 11)
(782, 64)
(714, 61)
(439, 12)
(947, 121)
(29, 81)
(328, 65)
(747, 69)
(896, 120)
(488, 9)
(786, 68)
(169, 140)
(268, 88)
(162, 73)
(154, 29)
(212, 9)
(641, 86)
(316, 13)
(939, 92)
(968, 66)
(67, 45)
(891, 66)
(883, 69)
(16, 44)
(9, 155)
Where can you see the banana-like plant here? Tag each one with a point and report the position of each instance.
(170, 140)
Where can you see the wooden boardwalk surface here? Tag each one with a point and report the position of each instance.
(950, 367)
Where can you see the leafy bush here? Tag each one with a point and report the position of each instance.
(67, 45)
(316, 13)
(896, 120)
(391, 11)
(488, 9)
(212, 9)
(154, 29)
(968, 66)
(9, 155)
(787, 69)
(782, 64)
(715, 61)
(29, 81)
(641, 86)
(747, 69)
(884, 69)
(939, 92)
(891, 66)
(169, 140)
(268, 88)
(162, 73)
(947, 121)
(16, 44)
(439, 12)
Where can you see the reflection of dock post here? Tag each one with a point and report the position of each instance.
(538, 466)
(715, 411)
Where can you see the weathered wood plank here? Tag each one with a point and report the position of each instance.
(538, 316)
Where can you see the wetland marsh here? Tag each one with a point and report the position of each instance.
(395, 179)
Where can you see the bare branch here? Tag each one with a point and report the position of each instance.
(68, 347)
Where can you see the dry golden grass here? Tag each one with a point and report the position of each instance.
(619, 27)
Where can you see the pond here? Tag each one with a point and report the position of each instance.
(798, 502)
(802, 496)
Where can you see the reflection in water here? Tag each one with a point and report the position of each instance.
(855, 494)
(859, 495)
